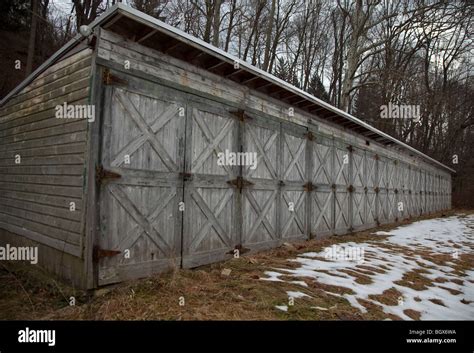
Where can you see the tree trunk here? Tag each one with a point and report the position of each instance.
(31, 43)
(216, 23)
(268, 35)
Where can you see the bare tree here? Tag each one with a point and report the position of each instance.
(86, 11)
(32, 40)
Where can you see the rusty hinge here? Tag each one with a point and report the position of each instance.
(333, 186)
(377, 190)
(366, 189)
(109, 79)
(309, 186)
(350, 148)
(101, 174)
(376, 157)
(240, 114)
(186, 176)
(99, 253)
(92, 42)
(239, 182)
(310, 136)
(350, 188)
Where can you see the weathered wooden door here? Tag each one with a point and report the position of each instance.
(382, 190)
(392, 191)
(293, 176)
(322, 195)
(358, 182)
(423, 192)
(370, 190)
(439, 193)
(140, 182)
(341, 184)
(260, 194)
(429, 195)
(211, 230)
(403, 204)
(416, 192)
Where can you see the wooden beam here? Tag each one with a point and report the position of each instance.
(112, 21)
(250, 79)
(235, 72)
(300, 101)
(146, 36)
(171, 47)
(265, 85)
(214, 66)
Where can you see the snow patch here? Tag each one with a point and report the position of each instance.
(296, 295)
(384, 264)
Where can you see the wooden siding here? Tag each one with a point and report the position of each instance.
(337, 181)
(35, 195)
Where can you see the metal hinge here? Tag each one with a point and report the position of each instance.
(101, 174)
(239, 182)
(102, 253)
(240, 114)
(109, 79)
(186, 176)
(310, 136)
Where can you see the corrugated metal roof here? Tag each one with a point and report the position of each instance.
(119, 11)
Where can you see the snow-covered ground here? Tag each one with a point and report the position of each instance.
(385, 262)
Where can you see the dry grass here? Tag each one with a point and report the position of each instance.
(415, 315)
(414, 279)
(388, 297)
(28, 293)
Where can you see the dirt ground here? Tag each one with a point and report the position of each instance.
(231, 290)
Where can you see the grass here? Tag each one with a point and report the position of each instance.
(29, 293)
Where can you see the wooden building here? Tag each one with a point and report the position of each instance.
(136, 188)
